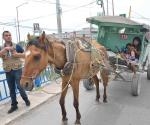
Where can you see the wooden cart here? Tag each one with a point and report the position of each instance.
(114, 32)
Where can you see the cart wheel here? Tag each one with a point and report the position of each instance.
(88, 84)
(136, 85)
(148, 72)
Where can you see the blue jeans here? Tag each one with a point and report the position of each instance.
(13, 79)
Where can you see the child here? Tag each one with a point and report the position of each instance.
(129, 55)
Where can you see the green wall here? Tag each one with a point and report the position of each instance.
(110, 40)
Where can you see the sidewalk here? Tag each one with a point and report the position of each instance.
(37, 97)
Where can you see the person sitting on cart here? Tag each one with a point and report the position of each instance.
(133, 49)
(132, 53)
(129, 54)
(137, 45)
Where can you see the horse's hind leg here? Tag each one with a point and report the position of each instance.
(62, 100)
(75, 88)
(96, 82)
(104, 75)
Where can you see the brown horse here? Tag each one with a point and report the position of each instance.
(48, 50)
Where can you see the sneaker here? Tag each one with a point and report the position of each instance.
(12, 109)
(27, 103)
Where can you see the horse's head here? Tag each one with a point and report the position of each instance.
(36, 60)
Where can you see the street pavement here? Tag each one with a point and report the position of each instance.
(122, 108)
(37, 97)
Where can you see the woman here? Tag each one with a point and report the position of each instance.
(132, 53)
(137, 51)
(137, 45)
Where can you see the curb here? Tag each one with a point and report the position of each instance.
(24, 113)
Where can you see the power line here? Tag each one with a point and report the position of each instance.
(72, 9)
(75, 8)
(29, 27)
(148, 19)
(140, 16)
(8, 23)
(65, 11)
(49, 2)
(26, 20)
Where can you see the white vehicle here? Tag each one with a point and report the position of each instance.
(145, 60)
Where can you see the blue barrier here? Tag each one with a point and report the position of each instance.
(38, 81)
(3, 87)
(46, 76)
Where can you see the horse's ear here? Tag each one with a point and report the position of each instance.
(42, 37)
(29, 37)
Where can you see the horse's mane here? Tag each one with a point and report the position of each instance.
(49, 39)
(52, 38)
(36, 43)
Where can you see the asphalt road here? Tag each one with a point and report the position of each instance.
(122, 108)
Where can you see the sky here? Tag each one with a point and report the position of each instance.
(74, 14)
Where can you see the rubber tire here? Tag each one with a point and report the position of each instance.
(88, 84)
(136, 85)
(148, 72)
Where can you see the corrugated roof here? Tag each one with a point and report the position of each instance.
(113, 19)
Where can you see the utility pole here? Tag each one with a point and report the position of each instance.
(2, 38)
(107, 9)
(113, 7)
(130, 12)
(100, 2)
(16, 30)
(103, 8)
(18, 39)
(18, 19)
(58, 11)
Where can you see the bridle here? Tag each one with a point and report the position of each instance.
(32, 77)
(46, 46)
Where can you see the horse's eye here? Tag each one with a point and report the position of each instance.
(37, 57)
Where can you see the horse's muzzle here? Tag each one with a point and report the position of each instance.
(28, 86)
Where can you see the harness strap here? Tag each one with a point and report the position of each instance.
(70, 51)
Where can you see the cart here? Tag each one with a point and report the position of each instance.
(114, 32)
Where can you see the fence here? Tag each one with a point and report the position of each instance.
(45, 77)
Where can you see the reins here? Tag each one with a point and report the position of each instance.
(53, 65)
(71, 71)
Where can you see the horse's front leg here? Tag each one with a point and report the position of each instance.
(96, 82)
(105, 93)
(62, 100)
(105, 78)
(75, 88)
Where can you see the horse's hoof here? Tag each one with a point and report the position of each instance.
(64, 119)
(105, 101)
(64, 123)
(77, 122)
(97, 99)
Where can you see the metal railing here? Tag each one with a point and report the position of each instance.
(4, 92)
(45, 77)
